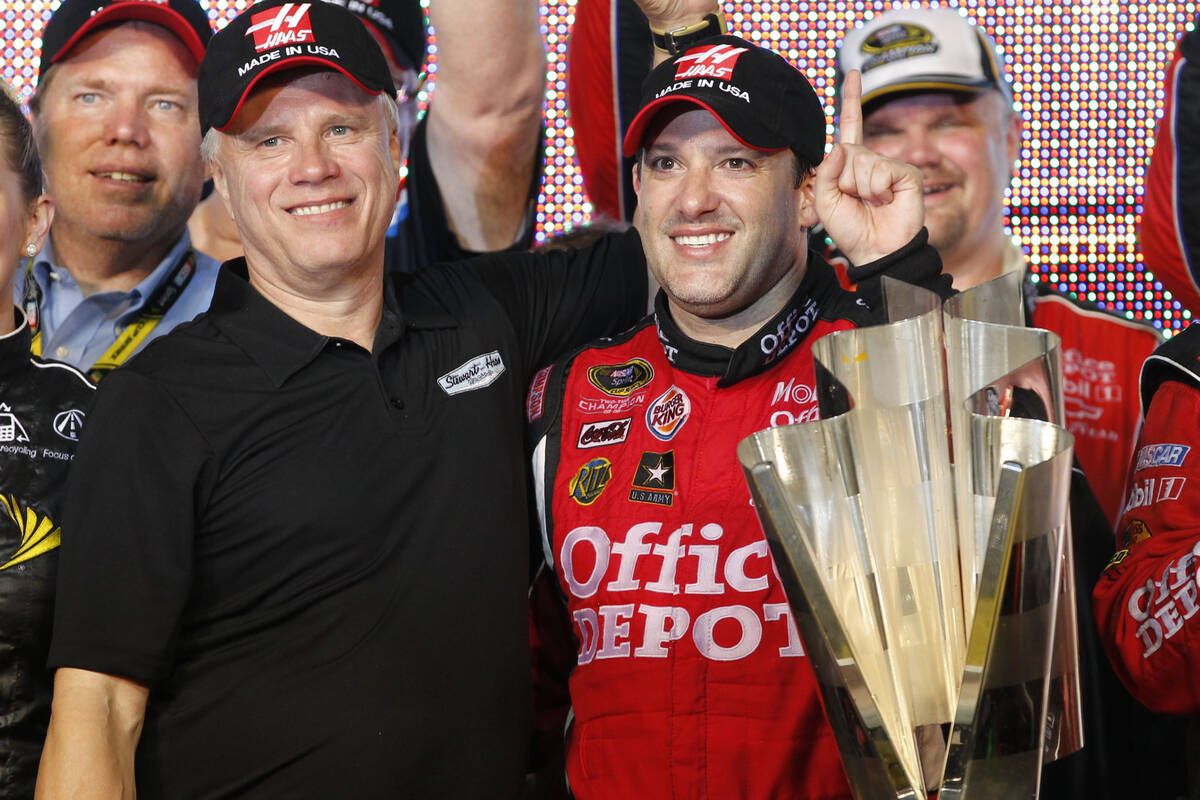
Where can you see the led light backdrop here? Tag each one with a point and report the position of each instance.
(1087, 75)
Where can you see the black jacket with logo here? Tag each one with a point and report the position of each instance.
(42, 405)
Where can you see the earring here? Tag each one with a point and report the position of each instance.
(31, 250)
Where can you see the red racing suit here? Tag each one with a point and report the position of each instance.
(1170, 231)
(1102, 357)
(689, 677)
(1148, 599)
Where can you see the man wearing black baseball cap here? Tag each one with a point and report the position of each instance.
(664, 620)
(473, 165)
(315, 581)
(115, 116)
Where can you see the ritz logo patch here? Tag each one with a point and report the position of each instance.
(667, 413)
(477, 373)
(1150, 456)
(11, 429)
(604, 432)
(39, 534)
(621, 380)
(710, 61)
(287, 24)
(590, 481)
(68, 424)
(654, 481)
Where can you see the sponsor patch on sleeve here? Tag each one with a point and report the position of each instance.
(535, 401)
(1161, 455)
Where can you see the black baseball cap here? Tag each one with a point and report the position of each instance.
(400, 23)
(75, 19)
(280, 35)
(762, 100)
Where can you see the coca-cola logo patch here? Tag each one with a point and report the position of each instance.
(285, 24)
(604, 432)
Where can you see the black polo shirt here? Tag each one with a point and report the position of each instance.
(317, 556)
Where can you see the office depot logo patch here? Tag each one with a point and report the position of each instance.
(711, 61)
(286, 24)
(667, 413)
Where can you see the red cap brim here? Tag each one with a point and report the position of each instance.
(289, 63)
(637, 130)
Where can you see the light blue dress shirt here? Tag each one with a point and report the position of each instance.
(79, 330)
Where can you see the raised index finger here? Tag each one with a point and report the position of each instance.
(850, 121)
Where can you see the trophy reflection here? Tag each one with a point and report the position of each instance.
(920, 528)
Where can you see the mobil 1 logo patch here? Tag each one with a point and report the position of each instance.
(654, 480)
(604, 432)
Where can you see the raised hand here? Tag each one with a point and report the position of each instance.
(667, 15)
(870, 205)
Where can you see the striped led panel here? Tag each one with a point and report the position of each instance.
(1087, 76)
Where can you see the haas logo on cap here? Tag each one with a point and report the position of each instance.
(709, 61)
(285, 24)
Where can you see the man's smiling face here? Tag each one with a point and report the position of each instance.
(720, 222)
(308, 168)
(965, 146)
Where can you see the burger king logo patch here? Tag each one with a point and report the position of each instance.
(667, 413)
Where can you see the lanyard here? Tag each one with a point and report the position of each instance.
(134, 333)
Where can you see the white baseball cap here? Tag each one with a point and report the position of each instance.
(921, 49)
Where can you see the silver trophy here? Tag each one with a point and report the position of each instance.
(922, 535)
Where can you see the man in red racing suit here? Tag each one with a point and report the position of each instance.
(687, 675)
(1169, 235)
(1148, 597)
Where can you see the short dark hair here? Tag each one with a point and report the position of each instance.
(20, 149)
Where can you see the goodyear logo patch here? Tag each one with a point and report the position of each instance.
(621, 380)
(654, 480)
(896, 43)
(590, 481)
(1161, 455)
(667, 413)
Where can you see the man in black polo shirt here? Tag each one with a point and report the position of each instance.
(297, 560)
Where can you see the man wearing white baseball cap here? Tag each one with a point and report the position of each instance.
(935, 94)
